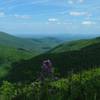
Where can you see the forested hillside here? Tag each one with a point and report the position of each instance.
(63, 62)
(76, 72)
(14, 49)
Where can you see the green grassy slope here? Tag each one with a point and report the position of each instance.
(78, 69)
(8, 55)
(34, 45)
(13, 49)
(63, 62)
(74, 45)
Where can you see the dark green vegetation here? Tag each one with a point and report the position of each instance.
(82, 86)
(78, 60)
(13, 49)
(76, 66)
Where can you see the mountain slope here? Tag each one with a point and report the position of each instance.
(8, 55)
(13, 49)
(74, 45)
(79, 60)
(34, 45)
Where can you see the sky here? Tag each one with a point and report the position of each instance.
(48, 17)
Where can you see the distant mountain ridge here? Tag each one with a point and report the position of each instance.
(35, 45)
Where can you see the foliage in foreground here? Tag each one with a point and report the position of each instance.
(82, 86)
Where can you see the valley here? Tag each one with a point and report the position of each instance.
(76, 67)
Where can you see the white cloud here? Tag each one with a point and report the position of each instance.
(75, 13)
(88, 22)
(70, 2)
(2, 14)
(52, 20)
(75, 1)
(22, 16)
(55, 21)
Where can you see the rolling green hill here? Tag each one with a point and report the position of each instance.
(8, 55)
(35, 45)
(13, 49)
(64, 62)
(74, 45)
(76, 67)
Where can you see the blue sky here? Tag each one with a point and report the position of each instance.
(50, 16)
